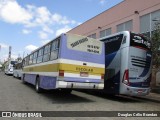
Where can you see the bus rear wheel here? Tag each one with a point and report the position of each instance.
(23, 77)
(37, 85)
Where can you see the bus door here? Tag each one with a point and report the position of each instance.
(112, 73)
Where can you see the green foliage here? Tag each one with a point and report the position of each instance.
(156, 46)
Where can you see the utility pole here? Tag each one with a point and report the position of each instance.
(9, 56)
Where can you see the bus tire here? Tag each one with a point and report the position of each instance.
(37, 85)
(24, 82)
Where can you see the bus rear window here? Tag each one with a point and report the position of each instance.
(140, 41)
(84, 44)
(113, 44)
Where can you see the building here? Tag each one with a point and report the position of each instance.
(134, 15)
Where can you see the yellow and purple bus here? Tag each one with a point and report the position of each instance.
(68, 62)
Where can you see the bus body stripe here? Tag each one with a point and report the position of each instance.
(66, 67)
(55, 74)
(67, 61)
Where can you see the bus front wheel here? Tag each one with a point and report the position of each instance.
(37, 85)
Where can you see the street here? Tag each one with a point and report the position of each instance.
(16, 96)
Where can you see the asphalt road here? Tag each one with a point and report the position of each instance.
(16, 96)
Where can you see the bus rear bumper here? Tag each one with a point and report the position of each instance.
(10, 73)
(133, 91)
(78, 85)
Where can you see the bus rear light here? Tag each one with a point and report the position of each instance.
(61, 73)
(126, 77)
(102, 76)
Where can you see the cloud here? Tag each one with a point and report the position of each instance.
(63, 30)
(43, 16)
(31, 47)
(31, 16)
(56, 17)
(25, 31)
(3, 45)
(43, 35)
(14, 56)
(47, 29)
(44, 41)
(34, 19)
(102, 2)
(12, 12)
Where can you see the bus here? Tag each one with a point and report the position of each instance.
(128, 62)
(9, 67)
(68, 62)
(17, 72)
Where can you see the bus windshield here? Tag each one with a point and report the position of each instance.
(139, 41)
(13, 62)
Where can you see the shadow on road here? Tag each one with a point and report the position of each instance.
(149, 99)
(62, 98)
(118, 98)
(58, 97)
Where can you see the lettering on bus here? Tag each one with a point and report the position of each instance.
(113, 38)
(138, 40)
(84, 44)
(93, 49)
(79, 42)
(81, 69)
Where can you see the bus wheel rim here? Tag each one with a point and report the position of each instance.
(37, 86)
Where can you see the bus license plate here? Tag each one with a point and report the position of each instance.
(84, 74)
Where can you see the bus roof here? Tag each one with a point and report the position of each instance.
(123, 32)
(51, 41)
(118, 33)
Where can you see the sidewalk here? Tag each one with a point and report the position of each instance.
(154, 97)
(156, 90)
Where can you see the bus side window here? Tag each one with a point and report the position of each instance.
(124, 40)
(40, 55)
(31, 59)
(46, 56)
(34, 57)
(28, 60)
(54, 49)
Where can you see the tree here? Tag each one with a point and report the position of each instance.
(156, 46)
(19, 59)
(155, 52)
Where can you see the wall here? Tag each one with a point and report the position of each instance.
(118, 14)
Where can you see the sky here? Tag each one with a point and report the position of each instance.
(28, 24)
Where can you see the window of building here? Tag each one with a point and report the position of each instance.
(125, 26)
(93, 36)
(155, 17)
(147, 22)
(105, 32)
